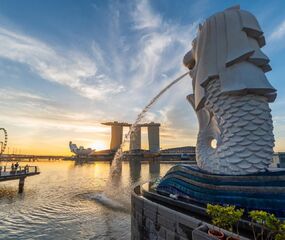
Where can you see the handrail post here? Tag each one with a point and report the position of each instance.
(21, 184)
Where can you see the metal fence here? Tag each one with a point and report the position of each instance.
(12, 170)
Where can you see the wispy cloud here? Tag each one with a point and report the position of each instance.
(145, 17)
(13, 94)
(27, 109)
(278, 33)
(126, 67)
(72, 69)
(153, 58)
(160, 47)
(146, 59)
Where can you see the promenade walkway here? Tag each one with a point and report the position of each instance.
(21, 172)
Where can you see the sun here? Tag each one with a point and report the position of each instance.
(98, 145)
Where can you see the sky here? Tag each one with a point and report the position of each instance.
(66, 66)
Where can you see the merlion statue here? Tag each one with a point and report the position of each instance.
(231, 94)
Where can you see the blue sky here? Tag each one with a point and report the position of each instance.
(66, 66)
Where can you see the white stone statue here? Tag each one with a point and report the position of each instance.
(80, 151)
(231, 94)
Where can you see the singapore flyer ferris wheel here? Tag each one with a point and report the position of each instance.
(3, 140)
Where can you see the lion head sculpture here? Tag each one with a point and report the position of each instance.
(227, 47)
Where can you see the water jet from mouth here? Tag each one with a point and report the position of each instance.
(116, 166)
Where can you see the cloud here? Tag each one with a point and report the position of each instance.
(30, 117)
(144, 16)
(124, 68)
(13, 94)
(29, 110)
(155, 58)
(70, 68)
(278, 33)
(160, 47)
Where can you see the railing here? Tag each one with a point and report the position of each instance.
(20, 170)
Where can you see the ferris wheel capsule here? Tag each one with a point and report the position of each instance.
(4, 143)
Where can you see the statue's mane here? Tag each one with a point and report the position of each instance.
(227, 47)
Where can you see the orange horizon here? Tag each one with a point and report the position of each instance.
(64, 151)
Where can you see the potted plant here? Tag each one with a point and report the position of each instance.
(215, 212)
(268, 223)
(232, 217)
(225, 217)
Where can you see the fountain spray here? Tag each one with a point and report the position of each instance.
(116, 167)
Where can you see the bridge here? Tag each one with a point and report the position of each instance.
(12, 173)
(31, 158)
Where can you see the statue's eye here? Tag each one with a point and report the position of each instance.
(191, 64)
(194, 42)
(189, 60)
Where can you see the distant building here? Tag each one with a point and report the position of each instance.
(179, 153)
(275, 161)
(135, 137)
(80, 151)
(281, 159)
(186, 149)
(278, 160)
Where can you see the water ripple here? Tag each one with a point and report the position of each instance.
(67, 202)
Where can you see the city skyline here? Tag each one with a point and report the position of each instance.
(66, 66)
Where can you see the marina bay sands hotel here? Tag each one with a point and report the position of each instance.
(135, 138)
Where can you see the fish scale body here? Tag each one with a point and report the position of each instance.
(245, 137)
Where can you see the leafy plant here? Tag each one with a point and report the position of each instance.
(260, 218)
(224, 216)
(268, 222)
(280, 235)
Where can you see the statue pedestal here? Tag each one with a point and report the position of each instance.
(260, 191)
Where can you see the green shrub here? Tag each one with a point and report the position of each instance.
(224, 216)
(280, 235)
(269, 222)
